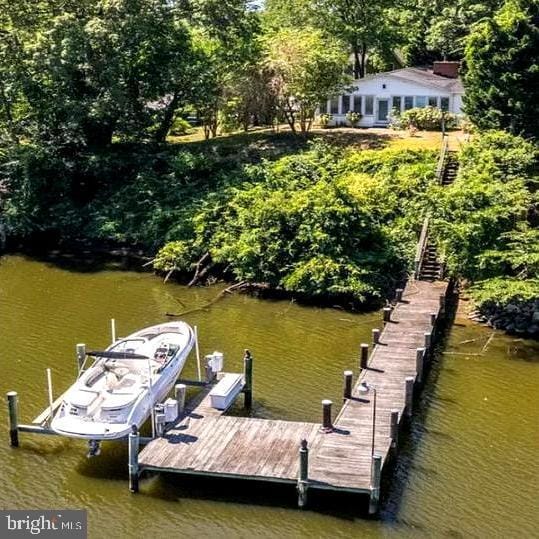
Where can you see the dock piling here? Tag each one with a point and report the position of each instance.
(81, 356)
(386, 314)
(133, 459)
(394, 428)
(347, 391)
(13, 419)
(419, 363)
(159, 421)
(326, 416)
(376, 474)
(364, 358)
(398, 294)
(375, 336)
(303, 479)
(409, 394)
(442, 304)
(179, 394)
(248, 376)
(428, 340)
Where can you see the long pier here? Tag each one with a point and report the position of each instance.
(345, 454)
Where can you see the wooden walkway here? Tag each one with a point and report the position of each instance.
(204, 441)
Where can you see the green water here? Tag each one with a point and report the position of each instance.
(467, 468)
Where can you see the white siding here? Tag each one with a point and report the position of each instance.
(385, 87)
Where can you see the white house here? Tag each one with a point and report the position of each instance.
(375, 96)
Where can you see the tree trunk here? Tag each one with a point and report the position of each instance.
(168, 120)
(357, 63)
(362, 60)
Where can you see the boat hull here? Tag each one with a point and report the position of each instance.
(82, 427)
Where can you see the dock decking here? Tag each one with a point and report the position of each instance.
(204, 441)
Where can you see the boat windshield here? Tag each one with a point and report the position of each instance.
(129, 346)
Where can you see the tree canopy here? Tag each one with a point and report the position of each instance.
(502, 76)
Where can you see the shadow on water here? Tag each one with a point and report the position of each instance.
(398, 473)
(176, 487)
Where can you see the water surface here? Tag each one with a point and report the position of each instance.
(468, 466)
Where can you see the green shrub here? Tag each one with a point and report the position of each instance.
(324, 120)
(175, 255)
(427, 119)
(180, 127)
(353, 118)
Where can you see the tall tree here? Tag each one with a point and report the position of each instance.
(307, 66)
(502, 75)
(367, 27)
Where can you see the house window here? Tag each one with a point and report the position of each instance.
(396, 104)
(444, 103)
(420, 101)
(345, 103)
(334, 105)
(408, 102)
(324, 107)
(357, 103)
(433, 101)
(369, 105)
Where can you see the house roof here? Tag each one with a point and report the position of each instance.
(419, 75)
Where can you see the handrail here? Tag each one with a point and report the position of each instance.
(441, 159)
(421, 246)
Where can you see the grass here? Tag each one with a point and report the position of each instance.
(269, 143)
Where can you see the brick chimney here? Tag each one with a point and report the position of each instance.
(446, 69)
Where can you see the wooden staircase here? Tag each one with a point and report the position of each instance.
(427, 265)
(450, 169)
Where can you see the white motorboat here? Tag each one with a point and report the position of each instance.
(125, 382)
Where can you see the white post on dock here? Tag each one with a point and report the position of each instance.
(197, 351)
(179, 395)
(51, 400)
(113, 330)
(81, 356)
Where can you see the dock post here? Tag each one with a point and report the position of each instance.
(248, 376)
(159, 422)
(442, 304)
(428, 340)
(364, 358)
(133, 459)
(376, 474)
(394, 428)
(387, 314)
(81, 356)
(432, 319)
(375, 336)
(179, 395)
(347, 391)
(409, 394)
(12, 405)
(326, 416)
(398, 294)
(419, 363)
(303, 479)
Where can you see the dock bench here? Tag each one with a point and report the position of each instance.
(223, 394)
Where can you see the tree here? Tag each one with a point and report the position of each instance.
(502, 75)
(367, 27)
(307, 67)
(86, 71)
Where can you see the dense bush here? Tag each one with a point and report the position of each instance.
(486, 222)
(426, 118)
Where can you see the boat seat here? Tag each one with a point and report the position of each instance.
(118, 400)
(82, 398)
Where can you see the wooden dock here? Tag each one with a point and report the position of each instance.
(205, 441)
